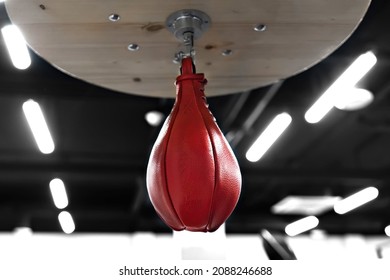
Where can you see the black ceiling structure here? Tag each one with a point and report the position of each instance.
(103, 143)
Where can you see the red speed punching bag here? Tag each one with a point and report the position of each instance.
(193, 177)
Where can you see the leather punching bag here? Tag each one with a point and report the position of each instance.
(193, 177)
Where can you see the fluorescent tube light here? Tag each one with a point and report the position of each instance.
(356, 200)
(354, 99)
(16, 46)
(277, 126)
(304, 205)
(347, 80)
(301, 225)
(387, 230)
(66, 222)
(58, 193)
(38, 126)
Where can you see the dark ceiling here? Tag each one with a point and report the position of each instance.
(103, 142)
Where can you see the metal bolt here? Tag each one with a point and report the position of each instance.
(114, 17)
(133, 47)
(178, 57)
(227, 52)
(260, 27)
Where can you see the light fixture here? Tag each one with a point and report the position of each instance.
(277, 126)
(304, 205)
(66, 222)
(318, 234)
(354, 99)
(301, 225)
(38, 126)
(58, 192)
(356, 200)
(23, 232)
(16, 46)
(154, 118)
(345, 82)
(387, 230)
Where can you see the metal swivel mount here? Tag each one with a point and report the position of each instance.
(187, 25)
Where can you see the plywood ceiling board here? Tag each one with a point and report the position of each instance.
(78, 38)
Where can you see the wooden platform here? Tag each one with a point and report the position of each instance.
(78, 38)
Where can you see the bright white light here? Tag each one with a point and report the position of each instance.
(346, 81)
(277, 126)
(387, 230)
(16, 46)
(58, 193)
(200, 245)
(356, 200)
(154, 118)
(301, 225)
(354, 99)
(66, 222)
(318, 234)
(23, 232)
(304, 205)
(38, 126)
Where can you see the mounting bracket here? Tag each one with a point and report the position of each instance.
(188, 25)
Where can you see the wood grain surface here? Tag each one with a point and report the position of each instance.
(78, 38)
